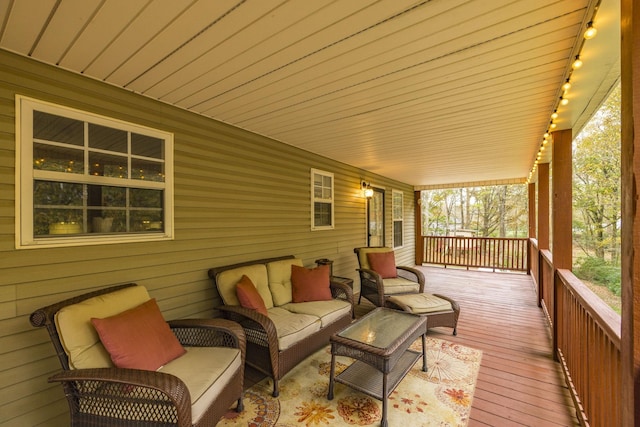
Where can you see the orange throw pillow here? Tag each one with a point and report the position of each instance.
(310, 284)
(383, 263)
(139, 338)
(249, 297)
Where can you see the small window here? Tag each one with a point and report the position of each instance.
(398, 218)
(321, 200)
(88, 179)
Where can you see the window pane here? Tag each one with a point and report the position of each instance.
(397, 205)
(147, 146)
(57, 129)
(322, 214)
(146, 170)
(57, 221)
(107, 165)
(146, 220)
(57, 194)
(142, 198)
(106, 138)
(397, 234)
(108, 220)
(58, 159)
(105, 196)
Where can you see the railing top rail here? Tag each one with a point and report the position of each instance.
(606, 318)
(477, 238)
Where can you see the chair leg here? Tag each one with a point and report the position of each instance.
(359, 297)
(276, 390)
(240, 405)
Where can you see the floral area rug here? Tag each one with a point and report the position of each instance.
(439, 397)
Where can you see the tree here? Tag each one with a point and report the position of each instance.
(596, 186)
(492, 211)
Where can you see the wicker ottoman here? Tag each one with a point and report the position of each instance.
(440, 310)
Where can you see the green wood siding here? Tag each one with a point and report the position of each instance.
(238, 196)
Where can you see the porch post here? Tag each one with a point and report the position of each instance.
(532, 209)
(417, 204)
(543, 206)
(532, 222)
(562, 200)
(630, 161)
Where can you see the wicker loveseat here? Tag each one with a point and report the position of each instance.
(194, 389)
(290, 331)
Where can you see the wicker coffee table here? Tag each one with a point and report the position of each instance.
(379, 341)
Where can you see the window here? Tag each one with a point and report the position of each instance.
(321, 200)
(88, 179)
(398, 218)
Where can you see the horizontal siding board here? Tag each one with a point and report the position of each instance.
(238, 196)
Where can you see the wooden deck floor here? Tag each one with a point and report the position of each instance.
(519, 383)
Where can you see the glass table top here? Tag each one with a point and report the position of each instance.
(380, 328)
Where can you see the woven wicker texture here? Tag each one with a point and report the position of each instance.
(131, 397)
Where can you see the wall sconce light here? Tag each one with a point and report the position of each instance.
(367, 190)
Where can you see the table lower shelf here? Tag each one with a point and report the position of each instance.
(369, 380)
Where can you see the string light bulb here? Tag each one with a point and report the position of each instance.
(591, 31)
(566, 86)
(553, 117)
(577, 63)
(563, 101)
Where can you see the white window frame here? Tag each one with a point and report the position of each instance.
(325, 198)
(26, 175)
(397, 214)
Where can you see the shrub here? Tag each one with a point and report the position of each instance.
(600, 272)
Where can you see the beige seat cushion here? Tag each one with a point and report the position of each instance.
(78, 336)
(399, 285)
(327, 311)
(226, 282)
(421, 303)
(205, 371)
(292, 327)
(280, 280)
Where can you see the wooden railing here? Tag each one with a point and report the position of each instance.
(588, 346)
(476, 252)
(586, 339)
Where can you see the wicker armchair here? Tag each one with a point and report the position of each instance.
(110, 396)
(376, 289)
(405, 292)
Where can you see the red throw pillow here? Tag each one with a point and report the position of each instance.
(310, 284)
(383, 263)
(139, 338)
(248, 295)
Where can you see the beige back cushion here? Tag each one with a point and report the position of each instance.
(362, 255)
(77, 334)
(280, 280)
(228, 279)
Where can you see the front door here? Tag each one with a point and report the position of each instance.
(375, 218)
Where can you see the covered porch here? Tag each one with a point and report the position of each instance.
(249, 129)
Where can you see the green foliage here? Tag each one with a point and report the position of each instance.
(491, 211)
(600, 272)
(596, 183)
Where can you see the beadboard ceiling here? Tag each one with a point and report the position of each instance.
(431, 93)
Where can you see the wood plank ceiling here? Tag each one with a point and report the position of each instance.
(431, 93)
